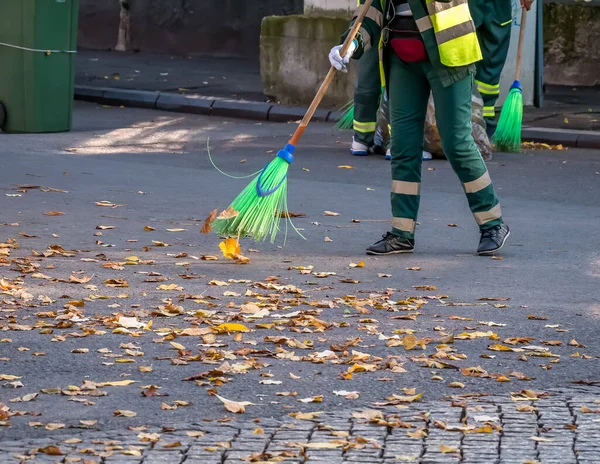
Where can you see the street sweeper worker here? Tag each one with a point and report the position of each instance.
(428, 46)
(367, 99)
(493, 21)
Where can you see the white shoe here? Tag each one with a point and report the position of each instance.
(427, 156)
(358, 149)
(388, 154)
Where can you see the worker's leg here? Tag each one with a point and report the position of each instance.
(493, 31)
(367, 94)
(453, 116)
(408, 92)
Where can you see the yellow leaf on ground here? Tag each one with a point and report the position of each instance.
(407, 399)
(125, 413)
(118, 383)
(54, 213)
(237, 407)
(314, 399)
(306, 415)
(409, 342)
(368, 414)
(231, 327)
(230, 248)
(345, 166)
(456, 385)
(448, 449)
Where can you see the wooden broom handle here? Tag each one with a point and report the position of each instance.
(521, 40)
(330, 75)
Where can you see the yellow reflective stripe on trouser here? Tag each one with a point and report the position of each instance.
(406, 188)
(489, 112)
(404, 224)
(478, 184)
(487, 216)
(365, 126)
(488, 89)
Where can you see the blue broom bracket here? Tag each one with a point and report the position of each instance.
(285, 154)
(517, 85)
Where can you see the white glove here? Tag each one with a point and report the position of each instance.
(337, 61)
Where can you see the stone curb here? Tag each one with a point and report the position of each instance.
(194, 104)
(264, 111)
(568, 138)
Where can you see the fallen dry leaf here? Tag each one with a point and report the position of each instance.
(448, 449)
(107, 204)
(229, 213)
(208, 222)
(125, 413)
(237, 407)
(230, 327)
(54, 213)
(51, 451)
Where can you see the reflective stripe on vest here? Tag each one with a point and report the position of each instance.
(454, 32)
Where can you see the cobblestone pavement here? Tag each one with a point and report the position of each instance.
(551, 430)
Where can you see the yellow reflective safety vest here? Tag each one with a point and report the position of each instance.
(453, 27)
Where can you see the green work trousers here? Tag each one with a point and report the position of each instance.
(410, 85)
(493, 21)
(367, 96)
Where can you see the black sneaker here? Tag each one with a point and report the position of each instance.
(391, 244)
(492, 239)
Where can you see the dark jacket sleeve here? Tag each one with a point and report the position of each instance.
(370, 30)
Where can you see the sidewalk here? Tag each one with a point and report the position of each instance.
(230, 87)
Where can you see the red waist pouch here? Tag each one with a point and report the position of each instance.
(409, 50)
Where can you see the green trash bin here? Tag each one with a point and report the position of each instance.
(38, 40)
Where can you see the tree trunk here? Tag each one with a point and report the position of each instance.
(123, 40)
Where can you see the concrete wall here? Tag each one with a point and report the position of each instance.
(294, 59)
(216, 27)
(335, 8)
(528, 62)
(98, 24)
(571, 44)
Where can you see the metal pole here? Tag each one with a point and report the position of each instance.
(538, 92)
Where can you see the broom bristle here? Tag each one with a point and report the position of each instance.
(347, 120)
(259, 215)
(507, 137)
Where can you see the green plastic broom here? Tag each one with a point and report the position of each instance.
(347, 119)
(263, 202)
(507, 137)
